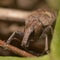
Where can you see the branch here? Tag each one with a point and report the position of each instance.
(16, 50)
(13, 15)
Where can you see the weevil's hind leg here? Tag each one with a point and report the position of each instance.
(46, 31)
(46, 44)
(45, 34)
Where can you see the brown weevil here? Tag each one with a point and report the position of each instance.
(36, 21)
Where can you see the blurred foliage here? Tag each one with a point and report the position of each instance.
(55, 46)
(54, 3)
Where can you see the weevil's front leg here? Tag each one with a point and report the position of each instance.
(13, 36)
(28, 31)
(34, 26)
(10, 38)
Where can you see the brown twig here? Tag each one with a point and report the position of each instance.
(16, 50)
(13, 15)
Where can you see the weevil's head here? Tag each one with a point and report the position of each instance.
(54, 3)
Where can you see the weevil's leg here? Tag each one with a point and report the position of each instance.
(10, 38)
(13, 35)
(26, 36)
(32, 26)
(9, 41)
(46, 44)
(45, 32)
(46, 49)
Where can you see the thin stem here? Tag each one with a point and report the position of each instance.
(16, 50)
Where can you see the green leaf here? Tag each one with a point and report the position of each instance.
(55, 47)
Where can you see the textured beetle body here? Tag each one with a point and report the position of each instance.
(40, 18)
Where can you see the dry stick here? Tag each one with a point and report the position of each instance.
(13, 15)
(16, 50)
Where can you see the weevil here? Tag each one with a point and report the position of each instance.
(36, 21)
(43, 17)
